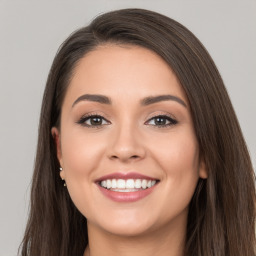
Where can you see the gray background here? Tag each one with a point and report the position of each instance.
(30, 34)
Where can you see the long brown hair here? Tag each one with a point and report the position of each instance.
(221, 220)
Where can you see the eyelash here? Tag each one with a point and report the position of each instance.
(169, 119)
(87, 117)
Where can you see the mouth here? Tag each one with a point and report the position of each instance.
(127, 187)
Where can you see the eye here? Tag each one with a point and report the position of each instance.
(161, 121)
(93, 121)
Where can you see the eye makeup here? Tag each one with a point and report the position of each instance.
(94, 120)
(162, 121)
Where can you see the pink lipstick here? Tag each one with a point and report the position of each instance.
(126, 187)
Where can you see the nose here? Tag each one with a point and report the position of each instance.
(126, 145)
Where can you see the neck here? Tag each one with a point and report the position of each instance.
(167, 241)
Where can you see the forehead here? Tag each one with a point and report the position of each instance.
(123, 72)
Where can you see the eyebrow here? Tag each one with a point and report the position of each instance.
(93, 97)
(154, 99)
(144, 102)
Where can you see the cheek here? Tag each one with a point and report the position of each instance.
(177, 152)
(183, 161)
(80, 152)
(178, 157)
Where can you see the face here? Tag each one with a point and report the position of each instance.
(126, 142)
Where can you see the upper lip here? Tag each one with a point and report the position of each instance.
(125, 176)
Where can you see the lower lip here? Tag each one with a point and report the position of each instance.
(126, 196)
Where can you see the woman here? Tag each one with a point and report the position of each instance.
(139, 149)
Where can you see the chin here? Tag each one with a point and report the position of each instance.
(121, 223)
(128, 229)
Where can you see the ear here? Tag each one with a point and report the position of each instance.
(203, 173)
(56, 137)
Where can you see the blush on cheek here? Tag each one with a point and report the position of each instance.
(180, 160)
(81, 154)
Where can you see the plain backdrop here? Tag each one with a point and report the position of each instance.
(32, 31)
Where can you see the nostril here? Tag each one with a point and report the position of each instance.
(131, 157)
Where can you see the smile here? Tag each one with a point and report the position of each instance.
(129, 185)
(126, 187)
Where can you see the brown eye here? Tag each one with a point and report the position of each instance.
(93, 121)
(162, 121)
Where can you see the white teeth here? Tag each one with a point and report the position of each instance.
(109, 184)
(129, 185)
(113, 185)
(137, 183)
(144, 184)
(120, 183)
(124, 190)
(104, 183)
